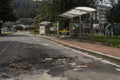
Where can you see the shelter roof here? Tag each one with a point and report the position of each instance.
(78, 11)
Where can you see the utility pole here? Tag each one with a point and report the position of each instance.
(99, 12)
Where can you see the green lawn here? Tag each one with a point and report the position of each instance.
(113, 41)
(6, 33)
(34, 31)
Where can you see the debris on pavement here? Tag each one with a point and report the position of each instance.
(5, 75)
(72, 64)
(21, 66)
(89, 64)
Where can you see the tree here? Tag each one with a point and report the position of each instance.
(7, 12)
(26, 8)
(50, 9)
(113, 15)
(36, 21)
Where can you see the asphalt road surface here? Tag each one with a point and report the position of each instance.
(27, 57)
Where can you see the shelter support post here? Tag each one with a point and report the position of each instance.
(91, 27)
(70, 27)
(58, 29)
(80, 27)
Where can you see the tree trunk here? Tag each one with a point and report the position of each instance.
(0, 31)
(0, 27)
(1, 24)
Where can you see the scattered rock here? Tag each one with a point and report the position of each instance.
(76, 69)
(81, 66)
(89, 64)
(100, 59)
(72, 64)
(48, 59)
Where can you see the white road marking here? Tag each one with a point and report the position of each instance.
(108, 62)
(3, 50)
(46, 44)
(105, 61)
(118, 69)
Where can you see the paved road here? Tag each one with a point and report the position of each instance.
(27, 57)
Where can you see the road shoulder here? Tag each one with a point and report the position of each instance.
(109, 53)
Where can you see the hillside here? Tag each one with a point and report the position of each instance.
(26, 8)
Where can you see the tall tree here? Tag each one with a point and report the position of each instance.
(113, 15)
(26, 8)
(7, 12)
(113, 2)
(50, 9)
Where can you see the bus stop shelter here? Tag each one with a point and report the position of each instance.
(78, 12)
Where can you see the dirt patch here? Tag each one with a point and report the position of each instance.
(55, 66)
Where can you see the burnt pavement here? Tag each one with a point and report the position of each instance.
(27, 57)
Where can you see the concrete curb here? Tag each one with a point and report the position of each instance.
(113, 59)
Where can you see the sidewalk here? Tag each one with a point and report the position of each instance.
(89, 47)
